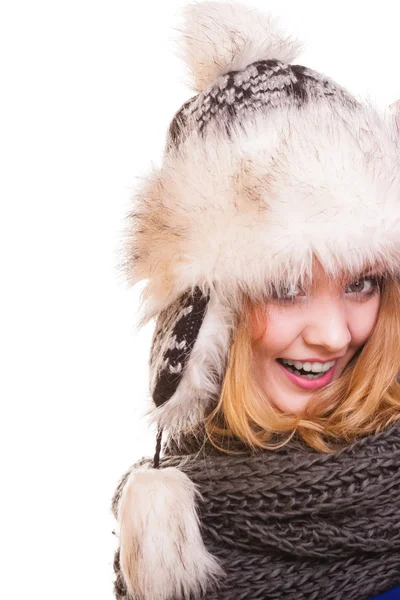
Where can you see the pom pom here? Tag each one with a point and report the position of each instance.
(222, 37)
(162, 554)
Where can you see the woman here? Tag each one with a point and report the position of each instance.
(270, 239)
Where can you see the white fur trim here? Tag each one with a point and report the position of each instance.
(218, 37)
(249, 212)
(395, 111)
(162, 554)
(395, 107)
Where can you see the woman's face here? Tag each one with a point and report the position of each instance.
(329, 322)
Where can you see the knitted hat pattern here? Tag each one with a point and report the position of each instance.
(263, 85)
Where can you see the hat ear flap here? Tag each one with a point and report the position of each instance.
(176, 332)
(188, 359)
(162, 554)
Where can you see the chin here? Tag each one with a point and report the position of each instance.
(294, 406)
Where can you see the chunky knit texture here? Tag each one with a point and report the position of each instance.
(295, 524)
(262, 86)
(173, 339)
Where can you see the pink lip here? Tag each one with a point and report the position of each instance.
(309, 384)
(311, 360)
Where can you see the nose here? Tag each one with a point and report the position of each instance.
(327, 329)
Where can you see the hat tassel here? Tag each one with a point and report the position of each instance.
(162, 553)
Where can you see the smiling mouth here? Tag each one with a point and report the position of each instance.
(301, 372)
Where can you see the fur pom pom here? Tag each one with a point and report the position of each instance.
(162, 554)
(219, 37)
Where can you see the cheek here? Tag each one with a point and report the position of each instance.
(280, 333)
(362, 321)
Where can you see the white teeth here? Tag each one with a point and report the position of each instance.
(315, 367)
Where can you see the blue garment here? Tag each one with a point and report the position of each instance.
(393, 594)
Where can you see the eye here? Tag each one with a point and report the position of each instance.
(287, 294)
(359, 287)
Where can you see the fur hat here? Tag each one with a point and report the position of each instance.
(269, 165)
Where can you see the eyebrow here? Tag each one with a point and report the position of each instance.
(344, 278)
(374, 270)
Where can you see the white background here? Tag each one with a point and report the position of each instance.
(88, 90)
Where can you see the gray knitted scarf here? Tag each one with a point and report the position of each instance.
(293, 523)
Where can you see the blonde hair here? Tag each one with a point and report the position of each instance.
(363, 400)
